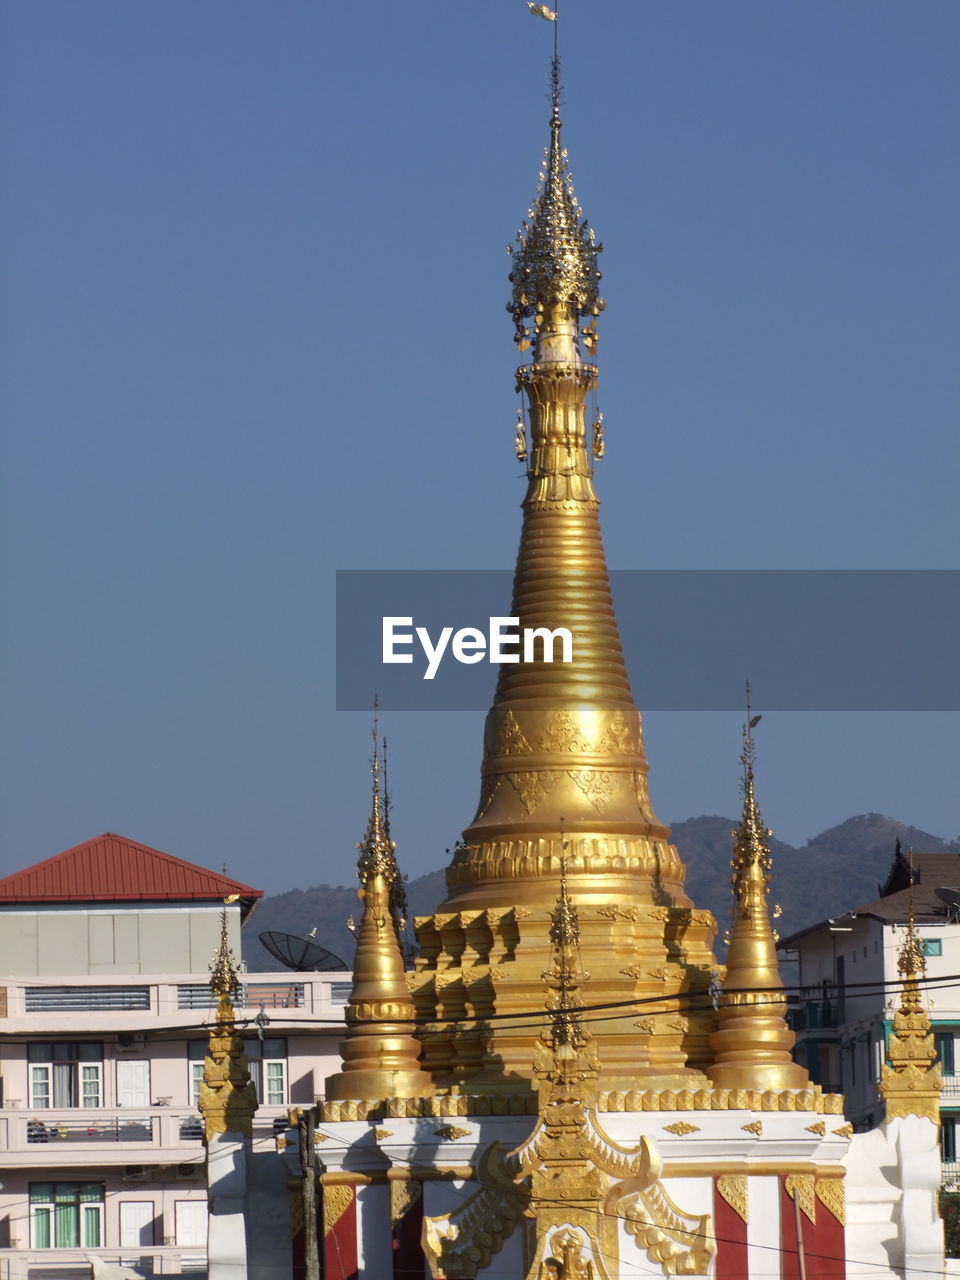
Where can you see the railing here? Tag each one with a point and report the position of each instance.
(124, 1137)
(951, 1087)
(84, 999)
(85, 1129)
(272, 995)
(157, 1260)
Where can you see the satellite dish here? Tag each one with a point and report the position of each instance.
(302, 954)
(951, 897)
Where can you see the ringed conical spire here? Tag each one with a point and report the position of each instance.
(379, 1052)
(752, 1043)
(564, 776)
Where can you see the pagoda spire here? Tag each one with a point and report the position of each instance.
(563, 740)
(910, 1085)
(576, 721)
(228, 1098)
(752, 1043)
(379, 1051)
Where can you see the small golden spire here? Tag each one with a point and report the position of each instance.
(910, 1085)
(752, 1043)
(379, 1051)
(572, 1059)
(228, 1098)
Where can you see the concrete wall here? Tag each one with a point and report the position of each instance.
(80, 940)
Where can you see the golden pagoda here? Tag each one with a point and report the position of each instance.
(228, 1099)
(379, 1051)
(563, 746)
(910, 1083)
(752, 1043)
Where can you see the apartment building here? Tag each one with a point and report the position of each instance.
(848, 978)
(104, 954)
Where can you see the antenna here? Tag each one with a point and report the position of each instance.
(301, 954)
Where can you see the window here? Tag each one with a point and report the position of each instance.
(66, 1074)
(196, 1052)
(268, 1069)
(66, 1215)
(948, 1139)
(944, 1043)
(931, 946)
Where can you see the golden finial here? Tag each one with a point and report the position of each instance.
(379, 1051)
(752, 1042)
(228, 1098)
(910, 1085)
(555, 260)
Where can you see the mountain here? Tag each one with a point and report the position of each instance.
(835, 871)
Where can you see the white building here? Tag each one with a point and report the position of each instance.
(848, 977)
(104, 997)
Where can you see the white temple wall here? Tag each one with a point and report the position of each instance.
(375, 1246)
(764, 1235)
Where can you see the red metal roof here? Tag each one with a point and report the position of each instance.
(110, 868)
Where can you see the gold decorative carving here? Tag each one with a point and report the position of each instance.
(659, 975)
(563, 734)
(617, 738)
(596, 784)
(337, 1199)
(404, 1194)
(566, 1261)
(799, 1186)
(660, 914)
(830, 1193)
(451, 1131)
(521, 913)
(633, 971)
(532, 787)
(681, 1127)
(511, 741)
(679, 1024)
(819, 1128)
(320, 1137)
(380, 1134)
(462, 1242)
(681, 1243)
(281, 1142)
(732, 1187)
(755, 1126)
(645, 1026)
(845, 1131)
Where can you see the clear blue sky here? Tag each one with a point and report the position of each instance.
(253, 330)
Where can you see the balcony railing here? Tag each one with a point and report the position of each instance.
(158, 1260)
(815, 1015)
(951, 1087)
(123, 1137)
(110, 1129)
(272, 995)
